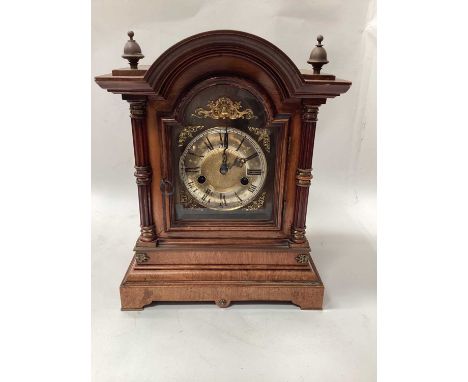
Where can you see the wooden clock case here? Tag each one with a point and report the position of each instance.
(222, 261)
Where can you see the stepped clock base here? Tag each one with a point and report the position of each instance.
(141, 287)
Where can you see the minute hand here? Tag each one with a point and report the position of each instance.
(239, 162)
(250, 157)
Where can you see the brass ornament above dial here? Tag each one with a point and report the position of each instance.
(223, 168)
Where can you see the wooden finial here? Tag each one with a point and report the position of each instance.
(132, 51)
(318, 56)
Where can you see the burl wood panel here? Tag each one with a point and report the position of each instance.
(138, 293)
(217, 256)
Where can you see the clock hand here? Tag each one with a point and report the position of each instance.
(226, 140)
(224, 166)
(239, 162)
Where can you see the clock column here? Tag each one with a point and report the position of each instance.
(304, 171)
(143, 171)
(318, 58)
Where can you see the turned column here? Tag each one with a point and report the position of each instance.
(304, 171)
(143, 171)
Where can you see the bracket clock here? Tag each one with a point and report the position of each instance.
(223, 129)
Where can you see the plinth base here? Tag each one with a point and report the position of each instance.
(144, 285)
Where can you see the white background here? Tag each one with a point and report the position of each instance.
(45, 202)
(263, 342)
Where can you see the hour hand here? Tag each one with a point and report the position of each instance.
(224, 166)
(226, 140)
(239, 162)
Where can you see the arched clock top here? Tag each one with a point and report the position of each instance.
(223, 53)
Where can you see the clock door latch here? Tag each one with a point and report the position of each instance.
(166, 187)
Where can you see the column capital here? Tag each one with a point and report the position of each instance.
(309, 113)
(138, 109)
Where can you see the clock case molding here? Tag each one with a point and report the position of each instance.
(222, 262)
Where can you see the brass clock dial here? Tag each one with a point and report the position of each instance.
(223, 168)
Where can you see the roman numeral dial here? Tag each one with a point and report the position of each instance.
(223, 168)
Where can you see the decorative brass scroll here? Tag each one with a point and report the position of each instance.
(302, 259)
(187, 132)
(256, 204)
(141, 258)
(224, 108)
(263, 136)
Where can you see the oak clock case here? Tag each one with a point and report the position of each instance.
(223, 127)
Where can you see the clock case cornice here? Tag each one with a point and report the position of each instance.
(199, 56)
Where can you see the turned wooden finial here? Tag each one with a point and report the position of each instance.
(132, 51)
(318, 56)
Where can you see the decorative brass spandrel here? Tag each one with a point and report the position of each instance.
(257, 203)
(187, 132)
(263, 136)
(224, 108)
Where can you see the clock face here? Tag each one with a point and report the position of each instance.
(223, 168)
